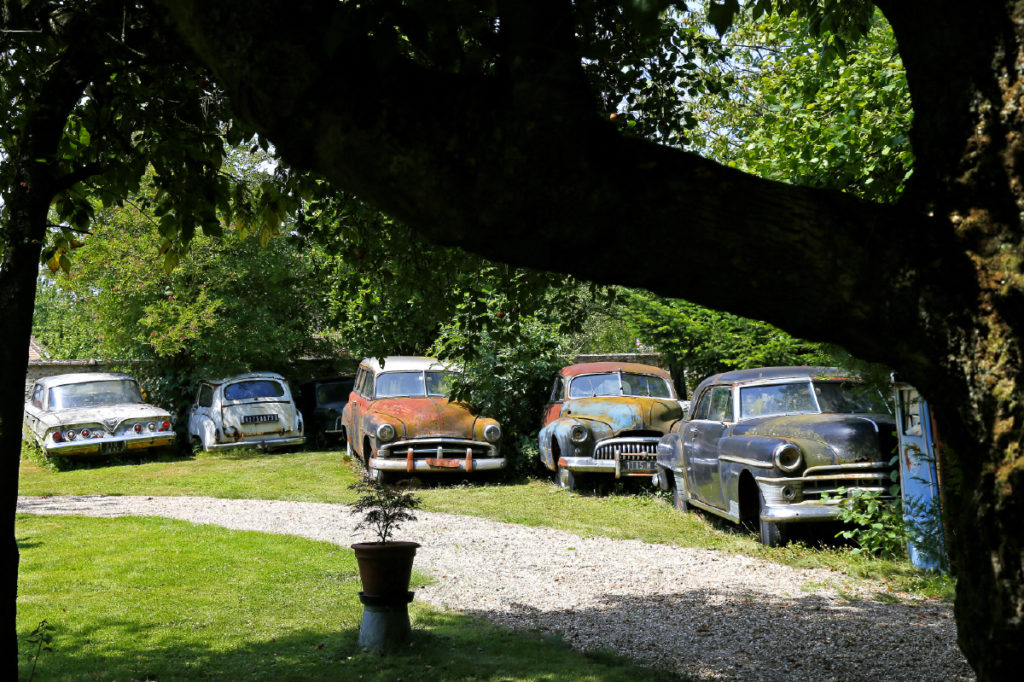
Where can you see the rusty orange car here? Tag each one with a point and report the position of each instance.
(605, 418)
(399, 421)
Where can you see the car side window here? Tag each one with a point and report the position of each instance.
(558, 390)
(364, 383)
(37, 396)
(720, 409)
(703, 405)
(205, 398)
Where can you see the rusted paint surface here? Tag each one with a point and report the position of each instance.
(601, 367)
(421, 417)
(625, 413)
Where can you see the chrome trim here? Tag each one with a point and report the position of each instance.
(714, 510)
(847, 467)
(400, 464)
(438, 444)
(260, 443)
(748, 462)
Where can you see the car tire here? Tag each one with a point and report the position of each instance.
(772, 534)
(680, 498)
(566, 478)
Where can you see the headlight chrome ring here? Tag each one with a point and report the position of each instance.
(578, 433)
(788, 457)
(492, 433)
(385, 433)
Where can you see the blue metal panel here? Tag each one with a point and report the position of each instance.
(919, 479)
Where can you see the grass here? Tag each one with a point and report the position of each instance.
(156, 599)
(325, 477)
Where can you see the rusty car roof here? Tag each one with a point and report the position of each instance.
(598, 367)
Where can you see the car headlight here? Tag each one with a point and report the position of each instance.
(578, 433)
(788, 457)
(492, 433)
(385, 433)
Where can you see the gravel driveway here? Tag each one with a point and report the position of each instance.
(705, 613)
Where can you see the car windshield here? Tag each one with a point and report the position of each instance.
(334, 392)
(770, 399)
(408, 384)
(255, 388)
(854, 397)
(616, 383)
(95, 394)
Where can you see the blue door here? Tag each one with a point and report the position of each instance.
(919, 480)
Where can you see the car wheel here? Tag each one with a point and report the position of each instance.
(772, 534)
(680, 498)
(566, 478)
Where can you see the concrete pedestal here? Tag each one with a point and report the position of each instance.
(385, 624)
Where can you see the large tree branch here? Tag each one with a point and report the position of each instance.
(533, 176)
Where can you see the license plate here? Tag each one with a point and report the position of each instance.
(259, 418)
(449, 463)
(112, 448)
(637, 465)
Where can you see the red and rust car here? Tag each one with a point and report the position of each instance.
(399, 421)
(606, 418)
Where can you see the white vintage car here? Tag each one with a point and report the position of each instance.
(93, 414)
(248, 410)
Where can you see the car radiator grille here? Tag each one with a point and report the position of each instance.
(631, 448)
(830, 479)
(434, 450)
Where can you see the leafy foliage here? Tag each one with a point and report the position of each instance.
(232, 304)
(703, 342)
(384, 508)
(878, 523)
(798, 117)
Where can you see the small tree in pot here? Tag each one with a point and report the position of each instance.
(385, 566)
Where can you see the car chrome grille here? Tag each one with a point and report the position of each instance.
(631, 448)
(435, 449)
(829, 479)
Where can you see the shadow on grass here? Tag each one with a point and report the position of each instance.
(757, 633)
(442, 647)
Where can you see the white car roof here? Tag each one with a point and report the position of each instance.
(405, 363)
(83, 378)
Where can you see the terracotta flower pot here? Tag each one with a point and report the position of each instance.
(385, 568)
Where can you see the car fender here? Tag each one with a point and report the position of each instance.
(203, 428)
(737, 454)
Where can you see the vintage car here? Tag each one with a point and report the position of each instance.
(93, 414)
(248, 410)
(607, 418)
(399, 420)
(321, 402)
(761, 446)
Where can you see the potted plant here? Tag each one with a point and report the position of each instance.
(385, 566)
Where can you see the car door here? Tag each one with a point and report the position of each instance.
(554, 406)
(357, 403)
(700, 444)
(200, 414)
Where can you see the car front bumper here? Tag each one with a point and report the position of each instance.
(619, 467)
(439, 455)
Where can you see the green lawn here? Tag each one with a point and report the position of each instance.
(156, 599)
(325, 477)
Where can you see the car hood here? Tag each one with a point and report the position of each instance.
(626, 413)
(422, 417)
(114, 414)
(837, 438)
